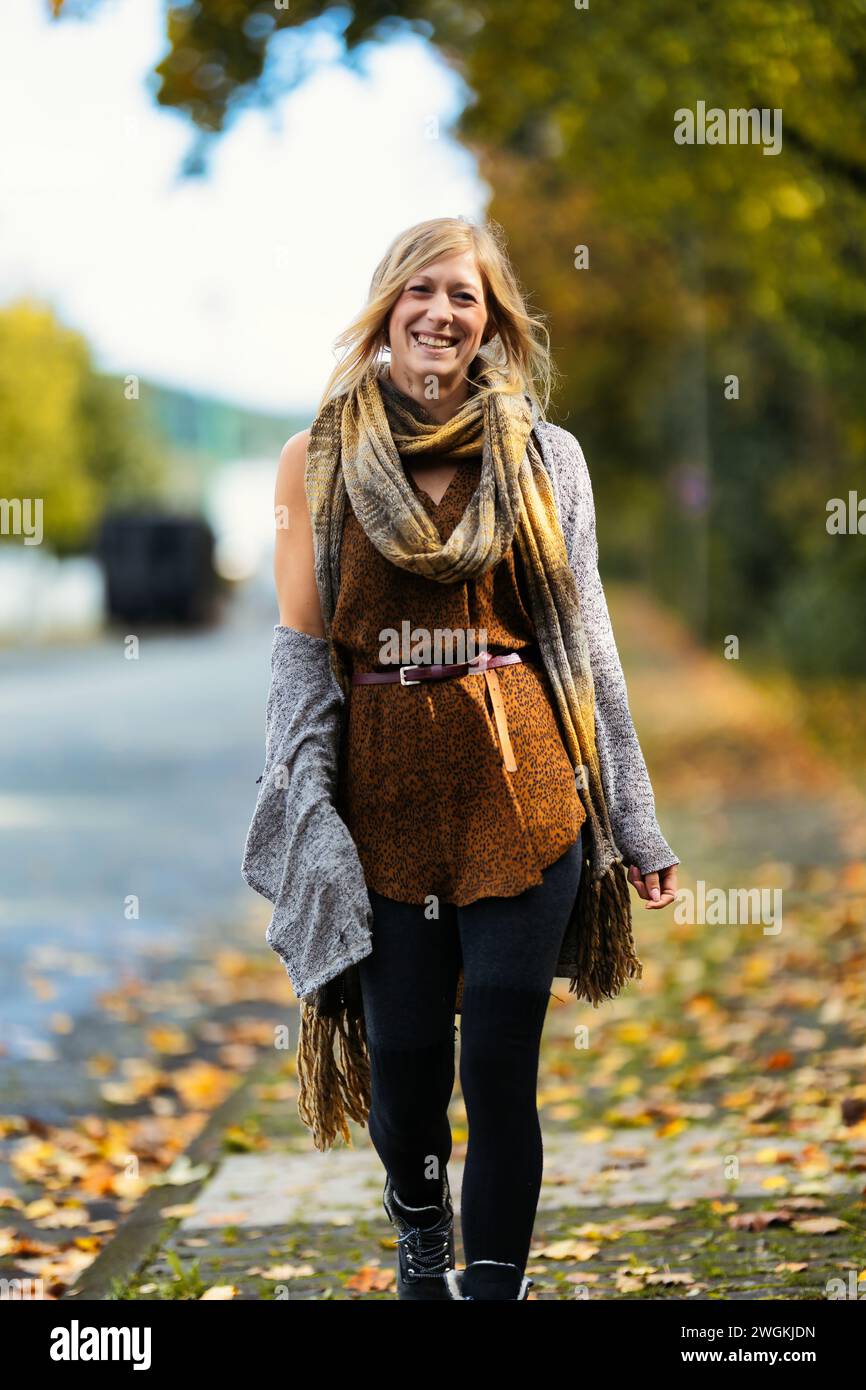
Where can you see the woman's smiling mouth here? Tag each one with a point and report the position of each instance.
(433, 341)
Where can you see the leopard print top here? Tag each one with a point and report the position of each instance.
(424, 791)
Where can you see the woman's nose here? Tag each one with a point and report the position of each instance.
(440, 309)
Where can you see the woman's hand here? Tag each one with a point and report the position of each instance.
(657, 890)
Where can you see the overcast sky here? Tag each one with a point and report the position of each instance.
(236, 284)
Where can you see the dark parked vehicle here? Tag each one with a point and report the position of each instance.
(157, 566)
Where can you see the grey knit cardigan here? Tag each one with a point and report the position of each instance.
(299, 853)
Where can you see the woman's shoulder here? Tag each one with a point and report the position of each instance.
(564, 461)
(295, 449)
(562, 447)
(291, 467)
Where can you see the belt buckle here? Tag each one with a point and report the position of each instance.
(403, 680)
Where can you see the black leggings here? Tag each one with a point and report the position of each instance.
(509, 948)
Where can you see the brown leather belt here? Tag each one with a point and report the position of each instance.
(483, 665)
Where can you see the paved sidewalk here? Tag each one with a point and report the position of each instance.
(705, 1132)
(619, 1217)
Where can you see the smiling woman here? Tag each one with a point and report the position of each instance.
(452, 842)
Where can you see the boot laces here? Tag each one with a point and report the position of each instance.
(427, 1247)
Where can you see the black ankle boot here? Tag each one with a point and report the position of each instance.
(485, 1281)
(425, 1251)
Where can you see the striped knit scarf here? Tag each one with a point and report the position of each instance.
(359, 454)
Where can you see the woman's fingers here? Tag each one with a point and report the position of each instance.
(651, 882)
(636, 880)
(656, 890)
(667, 889)
(663, 900)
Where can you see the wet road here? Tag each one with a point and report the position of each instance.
(123, 782)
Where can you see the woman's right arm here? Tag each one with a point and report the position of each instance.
(294, 566)
(627, 787)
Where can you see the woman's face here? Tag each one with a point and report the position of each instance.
(437, 325)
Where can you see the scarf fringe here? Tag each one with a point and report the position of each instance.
(331, 1091)
(606, 957)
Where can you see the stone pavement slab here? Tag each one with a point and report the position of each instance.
(286, 1188)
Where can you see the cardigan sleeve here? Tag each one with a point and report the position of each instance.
(627, 787)
(298, 852)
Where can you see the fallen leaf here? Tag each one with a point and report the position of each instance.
(759, 1220)
(182, 1171)
(284, 1272)
(202, 1085)
(567, 1250)
(169, 1039)
(372, 1277)
(819, 1225)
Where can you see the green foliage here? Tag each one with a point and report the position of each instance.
(705, 261)
(67, 435)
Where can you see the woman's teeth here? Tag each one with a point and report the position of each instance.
(427, 341)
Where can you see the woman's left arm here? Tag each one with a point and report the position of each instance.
(628, 791)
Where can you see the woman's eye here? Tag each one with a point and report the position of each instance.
(462, 294)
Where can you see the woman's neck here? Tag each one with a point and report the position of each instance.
(440, 407)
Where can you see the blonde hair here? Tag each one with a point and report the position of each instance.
(523, 353)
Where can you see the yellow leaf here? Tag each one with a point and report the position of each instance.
(124, 1185)
(626, 1284)
(163, 1037)
(672, 1127)
(632, 1032)
(550, 1094)
(92, 1243)
(628, 1085)
(278, 1272)
(41, 1206)
(100, 1064)
(596, 1135)
(8, 1240)
(232, 964)
(818, 1225)
(202, 1085)
(735, 1100)
(63, 1217)
(567, 1250)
